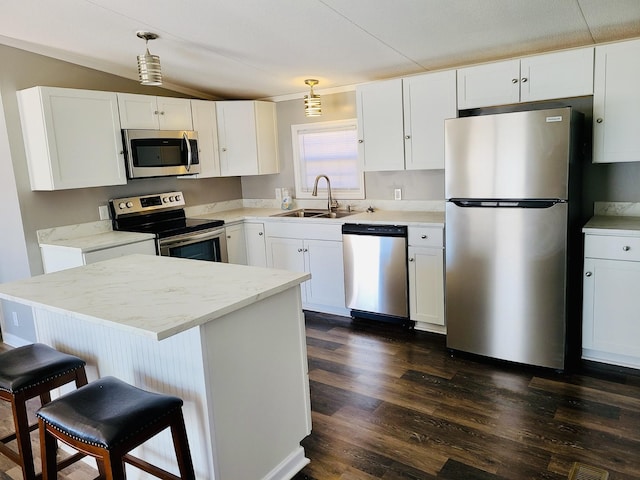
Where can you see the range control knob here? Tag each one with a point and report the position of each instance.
(178, 198)
(165, 199)
(172, 198)
(129, 204)
(121, 205)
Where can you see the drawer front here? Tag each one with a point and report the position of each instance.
(612, 247)
(425, 236)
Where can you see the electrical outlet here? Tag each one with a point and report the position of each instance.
(103, 211)
(16, 322)
(278, 194)
(397, 194)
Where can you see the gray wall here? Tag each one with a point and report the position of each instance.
(23, 211)
(416, 185)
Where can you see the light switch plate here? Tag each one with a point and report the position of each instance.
(397, 194)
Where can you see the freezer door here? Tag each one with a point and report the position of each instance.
(508, 155)
(505, 282)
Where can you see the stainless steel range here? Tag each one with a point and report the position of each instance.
(176, 235)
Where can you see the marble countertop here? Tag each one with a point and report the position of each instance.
(151, 295)
(401, 217)
(613, 225)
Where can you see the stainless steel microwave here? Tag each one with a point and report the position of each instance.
(161, 153)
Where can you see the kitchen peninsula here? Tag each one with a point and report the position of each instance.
(228, 339)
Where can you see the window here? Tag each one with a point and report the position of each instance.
(331, 149)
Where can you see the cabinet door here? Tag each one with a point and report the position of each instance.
(237, 138)
(426, 285)
(286, 254)
(428, 101)
(138, 111)
(205, 123)
(72, 138)
(616, 103)
(236, 245)
(256, 248)
(380, 125)
(174, 113)
(556, 75)
(611, 322)
(491, 84)
(324, 262)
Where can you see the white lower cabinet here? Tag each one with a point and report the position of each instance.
(291, 247)
(55, 258)
(611, 300)
(426, 278)
(255, 241)
(236, 244)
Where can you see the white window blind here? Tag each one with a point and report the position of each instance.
(331, 149)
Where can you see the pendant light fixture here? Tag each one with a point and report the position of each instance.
(312, 105)
(149, 65)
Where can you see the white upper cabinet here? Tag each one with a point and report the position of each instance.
(540, 77)
(380, 125)
(616, 103)
(428, 101)
(206, 125)
(247, 137)
(401, 121)
(72, 138)
(148, 112)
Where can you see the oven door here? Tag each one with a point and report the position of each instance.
(209, 245)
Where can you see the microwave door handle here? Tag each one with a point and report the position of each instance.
(186, 140)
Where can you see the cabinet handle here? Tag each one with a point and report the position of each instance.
(299, 250)
(411, 259)
(305, 250)
(228, 236)
(524, 79)
(260, 234)
(626, 248)
(514, 80)
(224, 149)
(588, 274)
(424, 237)
(407, 137)
(161, 113)
(599, 120)
(360, 141)
(156, 112)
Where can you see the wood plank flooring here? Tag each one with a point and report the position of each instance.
(392, 404)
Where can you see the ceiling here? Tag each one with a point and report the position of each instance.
(266, 48)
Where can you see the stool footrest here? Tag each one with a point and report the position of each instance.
(147, 467)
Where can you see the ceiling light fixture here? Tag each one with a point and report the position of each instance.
(312, 105)
(149, 65)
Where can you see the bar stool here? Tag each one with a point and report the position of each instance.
(108, 418)
(25, 373)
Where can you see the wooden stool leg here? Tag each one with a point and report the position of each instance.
(21, 422)
(181, 446)
(114, 466)
(48, 451)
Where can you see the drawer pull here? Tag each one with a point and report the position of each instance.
(411, 259)
(424, 237)
(626, 248)
(588, 274)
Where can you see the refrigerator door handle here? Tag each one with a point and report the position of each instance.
(494, 203)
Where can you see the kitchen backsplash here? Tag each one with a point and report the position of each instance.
(619, 209)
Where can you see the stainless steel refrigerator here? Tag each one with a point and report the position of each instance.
(507, 192)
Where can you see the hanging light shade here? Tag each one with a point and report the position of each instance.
(312, 104)
(149, 71)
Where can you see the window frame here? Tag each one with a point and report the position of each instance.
(336, 193)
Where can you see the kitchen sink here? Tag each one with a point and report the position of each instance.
(313, 213)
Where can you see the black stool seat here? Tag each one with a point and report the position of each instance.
(107, 419)
(29, 372)
(27, 366)
(107, 412)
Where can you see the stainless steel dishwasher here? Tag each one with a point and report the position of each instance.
(375, 272)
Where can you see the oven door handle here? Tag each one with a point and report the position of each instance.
(191, 238)
(189, 155)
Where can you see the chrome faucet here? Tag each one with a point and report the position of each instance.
(331, 204)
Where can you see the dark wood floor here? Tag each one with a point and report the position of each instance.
(393, 404)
